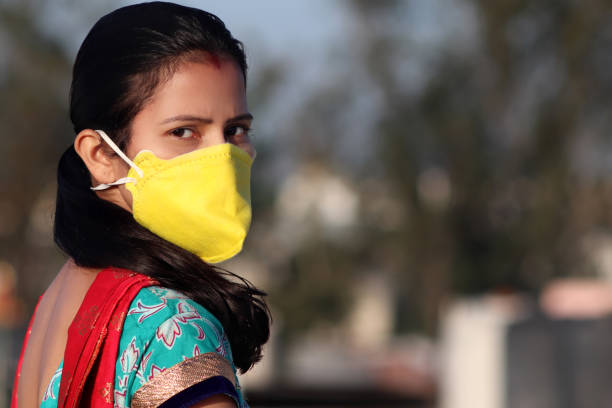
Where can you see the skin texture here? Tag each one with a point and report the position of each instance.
(201, 105)
(50, 331)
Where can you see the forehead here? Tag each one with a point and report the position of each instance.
(203, 84)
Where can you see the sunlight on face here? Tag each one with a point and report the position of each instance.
(203, 104)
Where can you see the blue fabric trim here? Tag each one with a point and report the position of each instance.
(202, 390)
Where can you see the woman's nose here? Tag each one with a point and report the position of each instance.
(217, 136)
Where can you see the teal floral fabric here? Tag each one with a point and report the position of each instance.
(162, 328)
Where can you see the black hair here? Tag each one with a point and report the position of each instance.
(124, 58)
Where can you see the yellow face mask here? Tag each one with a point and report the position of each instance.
(200, 201)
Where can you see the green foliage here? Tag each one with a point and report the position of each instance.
(35, 129)
(486, 157)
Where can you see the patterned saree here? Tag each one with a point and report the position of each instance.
(105, 351)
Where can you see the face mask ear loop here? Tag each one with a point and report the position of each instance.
(113, 146)
(116, 149)
(104, 186)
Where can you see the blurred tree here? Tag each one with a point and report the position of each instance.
(487, 167)
(34, 74)
(500, 123)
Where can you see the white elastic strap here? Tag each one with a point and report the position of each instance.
(104, 186)
(113, 146)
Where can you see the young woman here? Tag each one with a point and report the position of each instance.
(153, 191)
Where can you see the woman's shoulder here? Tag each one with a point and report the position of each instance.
(164, 333)
(154, 303)
(166, 316)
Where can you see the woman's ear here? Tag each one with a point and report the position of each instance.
(104, 167)
(92, 150)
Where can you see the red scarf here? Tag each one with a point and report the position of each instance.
(88, 376)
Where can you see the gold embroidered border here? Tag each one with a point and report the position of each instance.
(180, 377)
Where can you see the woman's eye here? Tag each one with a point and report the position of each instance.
(237, 131)
(182, 133)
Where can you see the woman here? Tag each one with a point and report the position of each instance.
(154, 189)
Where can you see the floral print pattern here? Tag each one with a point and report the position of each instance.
(162, 328)
(53, 388)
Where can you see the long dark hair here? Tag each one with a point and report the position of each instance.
(124, 58)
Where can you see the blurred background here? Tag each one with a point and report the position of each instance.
(432, 194)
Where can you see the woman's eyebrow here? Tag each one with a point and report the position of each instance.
(244, 116)
(191, 118)
(186, 118)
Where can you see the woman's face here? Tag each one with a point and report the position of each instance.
(203, 104)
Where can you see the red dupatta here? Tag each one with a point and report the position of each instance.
(88, 376)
